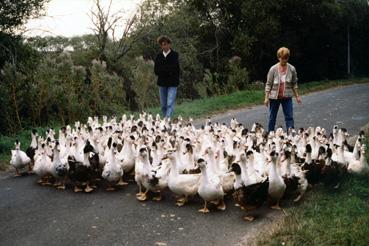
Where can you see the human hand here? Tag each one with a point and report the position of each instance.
(298, 100)
(266, 102)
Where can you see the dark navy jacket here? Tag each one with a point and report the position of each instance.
(167, 69)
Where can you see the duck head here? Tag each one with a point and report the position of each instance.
(236, 168)
(201, 163)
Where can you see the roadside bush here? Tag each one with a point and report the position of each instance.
(238, 78)
(144, 83)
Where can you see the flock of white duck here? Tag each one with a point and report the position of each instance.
(210, 161)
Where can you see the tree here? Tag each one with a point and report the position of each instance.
(13, 14)
(106, 24)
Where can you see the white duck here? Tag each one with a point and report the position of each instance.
(276, 184)
(43, 166)
(19, 159)
(33, 146)
(210, 188)
(142, 171)
(359, 167)
(181, 184)
(112, 171)
(158, 178)
(60, 169)
(127, 157)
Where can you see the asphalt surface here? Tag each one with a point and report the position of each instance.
(31, 214)
(347, 107)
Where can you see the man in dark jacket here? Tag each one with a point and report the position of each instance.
(167, 70)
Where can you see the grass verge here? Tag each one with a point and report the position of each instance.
(327, 216)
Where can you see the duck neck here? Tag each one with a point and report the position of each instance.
(355, 151)
(328, 161)
(288, 165)
(173, 169)
(341, 152)
(244, 170)
(363, 159)
(34, 142)
(212, 162)
(273, 167)
(308, 158)
(86, 160)
(250, 166)
(56, 154)
(238, 182)
(204, 173)
(17, 154)
(293, 157)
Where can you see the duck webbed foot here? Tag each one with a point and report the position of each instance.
(61, 187)
(249, 218)
(181, 201)
(77, 189)
(139, 194)
(122, 183)
(221, 205)
(47, 182)
(88, 189)
(143, 197)
(30, 169)
(157, 198)
(276, 206)
(17, 173)
(298, 198)
(205, 209)
(110, 188)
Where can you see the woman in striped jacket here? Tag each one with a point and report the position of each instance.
(280, 87)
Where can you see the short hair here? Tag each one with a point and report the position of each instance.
(283, 52)
(162, 39)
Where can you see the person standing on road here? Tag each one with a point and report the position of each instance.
(167, 69)
(280, 86)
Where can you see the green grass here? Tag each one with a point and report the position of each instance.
(327, 216)
(199, 108)
(203, 107)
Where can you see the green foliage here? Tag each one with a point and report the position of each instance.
(13, 14)
(237, 77)
(144, 84)
(211, 82)
(58, 91)
(106, 94)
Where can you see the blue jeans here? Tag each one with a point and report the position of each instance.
(287, 111)
(167, 98)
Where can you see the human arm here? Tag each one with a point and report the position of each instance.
(295, 87)
(268, 86)
(297, 96)
(157, 66)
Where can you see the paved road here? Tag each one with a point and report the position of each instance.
(35, 215)
(348, 107)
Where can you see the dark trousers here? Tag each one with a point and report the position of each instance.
(287, 111)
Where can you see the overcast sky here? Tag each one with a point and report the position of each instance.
(71, 17)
